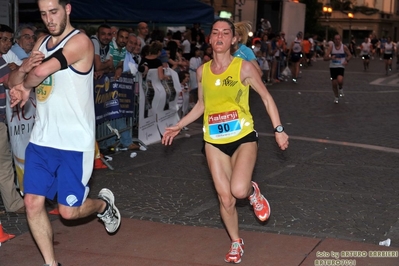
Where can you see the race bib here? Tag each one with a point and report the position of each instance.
(224, 125)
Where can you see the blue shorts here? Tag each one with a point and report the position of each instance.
(49, 171)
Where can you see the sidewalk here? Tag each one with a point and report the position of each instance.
(145, 243)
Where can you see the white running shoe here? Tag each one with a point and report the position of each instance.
(111, 217)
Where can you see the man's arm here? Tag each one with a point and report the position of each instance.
(102, 66)
(75, 51)
(35, 58)
(327, 56)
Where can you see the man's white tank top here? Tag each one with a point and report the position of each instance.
(388, 48)
(65, 116)
(339, 57)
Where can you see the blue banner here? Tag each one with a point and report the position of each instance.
(113, 98)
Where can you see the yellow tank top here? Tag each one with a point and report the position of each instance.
(226, 116)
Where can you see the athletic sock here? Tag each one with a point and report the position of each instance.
(106, 207)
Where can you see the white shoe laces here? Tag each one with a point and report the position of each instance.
(257, 205)
(235, 248)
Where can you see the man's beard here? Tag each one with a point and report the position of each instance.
(62, 27)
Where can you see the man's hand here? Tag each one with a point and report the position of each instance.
(34, 59)
(12, 66)
(19, 95)
(98, 74)
(118, 73)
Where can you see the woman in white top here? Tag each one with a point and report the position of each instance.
(365, 52)
(388, 54)
(186, 45)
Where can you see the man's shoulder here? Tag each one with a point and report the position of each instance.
(11, 57)
(94, 39)
(20, 53)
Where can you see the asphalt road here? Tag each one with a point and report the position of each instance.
(338, 179)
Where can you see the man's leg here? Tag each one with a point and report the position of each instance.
(340, 80)
(335, 90)
(104, 206)
(40, 226)
(11, 199)
(89, 207)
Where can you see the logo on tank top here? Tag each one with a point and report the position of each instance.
(228, 82)
(43, 91)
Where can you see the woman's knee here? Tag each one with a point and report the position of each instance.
(227, 201)
(240, 190)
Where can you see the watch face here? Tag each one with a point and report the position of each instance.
(279, 129)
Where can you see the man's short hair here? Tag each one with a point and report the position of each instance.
(17, 34)
(5, 28)
(106, 26)
(61, 2)
(122, 30)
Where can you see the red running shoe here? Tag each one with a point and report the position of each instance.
(236, 251)
(259, 203)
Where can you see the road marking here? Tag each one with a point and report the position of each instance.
(387, 81)
(341, 143)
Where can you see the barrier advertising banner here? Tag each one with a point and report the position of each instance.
(167, 116)
(20, 125)
(158, 105)
(113, 98)
(147, 129)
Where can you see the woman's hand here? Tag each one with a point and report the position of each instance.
(169, 134)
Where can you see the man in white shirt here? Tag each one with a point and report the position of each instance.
(102, 57)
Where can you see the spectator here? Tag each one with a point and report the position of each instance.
(208, 54)
(186, 44)
(40, 32)
(11, 199)
(152, 59)
(118, 48)
(114, 32)
(103, 62)
(175, 61)
(184, 78)
(266, 27)
(263, 64)
(195, 63)
(25, 40)
(142, 33)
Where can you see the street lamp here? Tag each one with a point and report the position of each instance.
(327, 10)
(350, 17)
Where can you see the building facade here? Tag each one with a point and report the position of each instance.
(377, 17)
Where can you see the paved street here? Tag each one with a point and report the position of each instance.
(338, 179)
